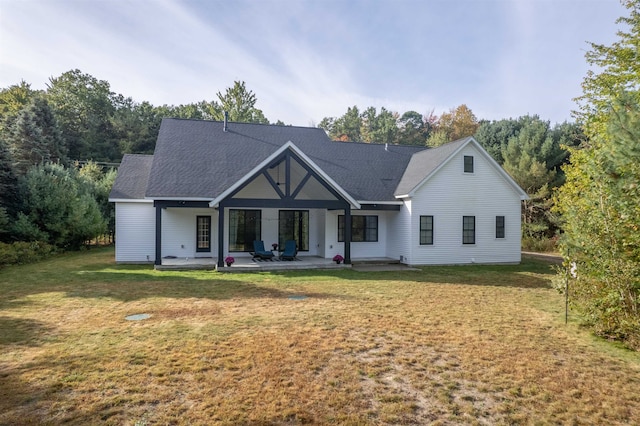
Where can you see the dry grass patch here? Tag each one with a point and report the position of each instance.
(471, 345)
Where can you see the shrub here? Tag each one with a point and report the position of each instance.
(24, 252)
(539, 244)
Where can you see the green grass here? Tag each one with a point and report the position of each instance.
(444, 345)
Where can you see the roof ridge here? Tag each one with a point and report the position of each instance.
(229, 122)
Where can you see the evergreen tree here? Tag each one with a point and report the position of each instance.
(12, 100)
(57, 208)
(98, 183)
(8, 192)
(34, 137)
(347, 127)
(379, 128)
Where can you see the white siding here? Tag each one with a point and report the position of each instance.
(399, 233)
(358, 249)
(179, 232)
(451, 194)
(135, 232)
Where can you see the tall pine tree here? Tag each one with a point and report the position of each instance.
(34, 137)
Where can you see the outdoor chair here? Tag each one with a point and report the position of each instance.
(290, 250)
(260, 252)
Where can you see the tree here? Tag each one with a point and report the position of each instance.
(99, 183)
(239, 102)
(412, 130)
(532, 152)
(458, 123)
(12, 100)
(34, 137)
(525, 156)
(8, 191)
(616, 70)
(494, 135)
(600, 200)
(137, 125)
(347, 127)
(57, 208)
(84, 107)
(600, 206)
(379, 128)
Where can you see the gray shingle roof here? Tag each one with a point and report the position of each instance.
(424, 163)
(133, 176)
(197, 159)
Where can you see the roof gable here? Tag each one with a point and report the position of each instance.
(289, 146)
(425, 164)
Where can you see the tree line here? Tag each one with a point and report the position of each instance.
(56, 146)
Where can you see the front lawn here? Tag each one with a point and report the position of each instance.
(446, 345)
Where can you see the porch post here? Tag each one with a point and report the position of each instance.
(220, 235)
(347, 235)
(158, 259)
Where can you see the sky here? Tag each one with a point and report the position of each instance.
(306, 60)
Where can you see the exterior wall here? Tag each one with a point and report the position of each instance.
(135, 232)
(179, 232)
(399, 233)
(451, 194)
(358, 249)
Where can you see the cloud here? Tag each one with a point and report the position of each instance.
(306, 60)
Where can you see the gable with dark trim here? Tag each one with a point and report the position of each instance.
(286, 182)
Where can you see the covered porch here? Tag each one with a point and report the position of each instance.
(286, 197)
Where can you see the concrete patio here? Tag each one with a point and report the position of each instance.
(247, 264)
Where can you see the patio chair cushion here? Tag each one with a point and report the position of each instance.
(290, 250)
(260, 252)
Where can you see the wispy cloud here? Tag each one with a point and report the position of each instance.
(309, 59)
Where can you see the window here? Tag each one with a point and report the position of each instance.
(203, 233)
(499, 226)
(468, 164)
(468, 229)
(244, 227)
(363, 228)
(426, 230)
(294, 225)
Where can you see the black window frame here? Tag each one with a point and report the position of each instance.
(203, 232)
(299, 233)
(252, 234)
(468, 164)
(364, 228)
(500, 227)
(426, 230)
(468, 230)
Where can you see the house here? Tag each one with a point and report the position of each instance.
(211, 188)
